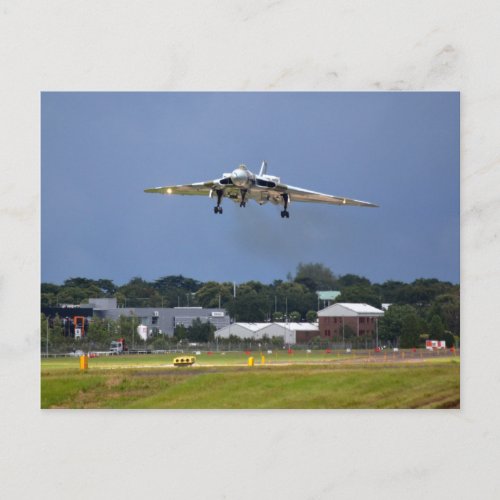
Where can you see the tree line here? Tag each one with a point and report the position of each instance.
(425, 306)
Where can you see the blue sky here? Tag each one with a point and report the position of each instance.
(400, 150)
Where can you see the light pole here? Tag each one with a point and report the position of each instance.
(343, 336)
(133, 324)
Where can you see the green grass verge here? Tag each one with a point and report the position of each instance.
(339, 384)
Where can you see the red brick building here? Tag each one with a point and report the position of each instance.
(361, 319)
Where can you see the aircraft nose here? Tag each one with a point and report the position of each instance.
(239, 177)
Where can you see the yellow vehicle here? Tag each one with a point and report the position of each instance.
(184, 360)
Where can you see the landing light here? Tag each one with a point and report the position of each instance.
(169, 191)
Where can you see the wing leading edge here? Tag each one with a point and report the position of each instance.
(306, 196)
(197, 188)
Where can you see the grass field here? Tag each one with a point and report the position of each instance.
(301, 380)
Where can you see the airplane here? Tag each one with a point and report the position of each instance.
(241, 185)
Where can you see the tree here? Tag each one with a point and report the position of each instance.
(315, 277)
(391, 291)
(251, 303)
(177, 283)
(208, 295)
(436, 328)
(160, 342)
(410, 333)
(449, 338)
(295, 297)
(180, 332)
(360, 294)
(348, 280)
(48, 299)
(447, 307)
(348, 332)
(57, 341)
(424, 291)
(72, 295)
(311, 316)
(49, 288)
(295, 316)
(200, 331)
(107, 286)
(126, 327)
(100, 332)
(139, 293)
(398, 320)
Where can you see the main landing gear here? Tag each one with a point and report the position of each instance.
(218, 208)
(285, 213)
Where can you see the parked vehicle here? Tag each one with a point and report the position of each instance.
(118, 346)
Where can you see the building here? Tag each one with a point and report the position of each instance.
(165, 319)
(326, 297)
(291, 333)
(362, 319)
(155, 319)
(74, 319)
(241, 330)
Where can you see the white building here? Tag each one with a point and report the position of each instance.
(291, 333)
(241, 330)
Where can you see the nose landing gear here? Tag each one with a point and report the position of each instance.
(243, 194)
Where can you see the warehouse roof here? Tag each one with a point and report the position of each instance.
(298, 326)
(251, 326)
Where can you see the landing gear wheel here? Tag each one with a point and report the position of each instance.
(220, 210)
(285, 213)
(243, 204)
(216, 210)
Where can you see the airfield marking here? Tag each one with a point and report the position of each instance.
(355, 360)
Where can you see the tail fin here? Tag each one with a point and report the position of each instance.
(263, 168)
